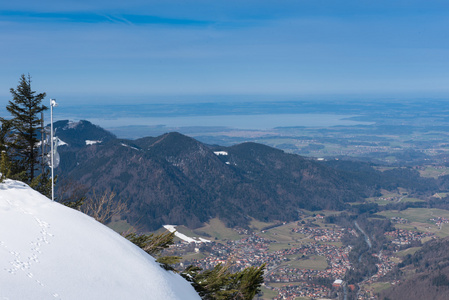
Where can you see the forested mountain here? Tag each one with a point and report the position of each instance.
(390, 179)
(79, 134)
(176, 179)
(423, 275)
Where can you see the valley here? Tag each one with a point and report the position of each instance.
(304, 258)
(312, 220)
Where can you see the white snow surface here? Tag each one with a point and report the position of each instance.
(128, 146)
(220, 153)
(71, 125)
(184, 237)
(61, 142)
(49, 251)
(89, 142)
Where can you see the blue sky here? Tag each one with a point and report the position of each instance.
(97, 51)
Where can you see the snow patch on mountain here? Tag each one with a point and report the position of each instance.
(49, 251)
(72, 125)
(220, 153)
(184, 237)
(128, 146)
(89, 142)
(61, 142)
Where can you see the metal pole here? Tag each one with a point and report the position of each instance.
(42, 144)
(51, 152)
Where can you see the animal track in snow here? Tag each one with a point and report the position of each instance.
(44, 233)
(22, 260)
(40, 283)
(25, 264)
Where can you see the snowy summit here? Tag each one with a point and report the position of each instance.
(49, 251)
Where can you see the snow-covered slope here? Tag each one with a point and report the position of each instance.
(49, 251)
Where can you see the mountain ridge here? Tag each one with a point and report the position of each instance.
(175, 179)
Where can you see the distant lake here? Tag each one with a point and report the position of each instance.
(238, 115)
(260, 121)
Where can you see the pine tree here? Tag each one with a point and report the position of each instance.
(5, 166)
(151, 243)
(154, 244)
(248, 282)
(219, 283)
(42, 183)
(5, 130)
(25, 109)
(9, 168)
(213, 284)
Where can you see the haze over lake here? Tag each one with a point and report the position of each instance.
(246, 116)
(263, 121)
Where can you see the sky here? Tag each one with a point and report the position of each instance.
(144, 51)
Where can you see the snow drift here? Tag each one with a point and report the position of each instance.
(49, 251)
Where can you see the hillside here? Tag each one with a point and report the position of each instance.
(423, 275)
(50, 251)
(81, 133)
(175, 179)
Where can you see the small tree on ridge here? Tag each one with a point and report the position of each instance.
(25, 108)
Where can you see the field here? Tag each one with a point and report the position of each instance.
(282, 234)
(314, 262)
(434, 172)
(419, 219)
(421, 215)
(120, 225)
(379, 201)
(379, 286)
(410, 251)
(267, 293)
(259, 225)
(441, 195)
(191, 256)
(217, 229)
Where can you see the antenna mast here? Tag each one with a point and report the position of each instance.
(42, 142)
(52, 104)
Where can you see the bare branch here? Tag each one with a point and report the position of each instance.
(103, 208)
